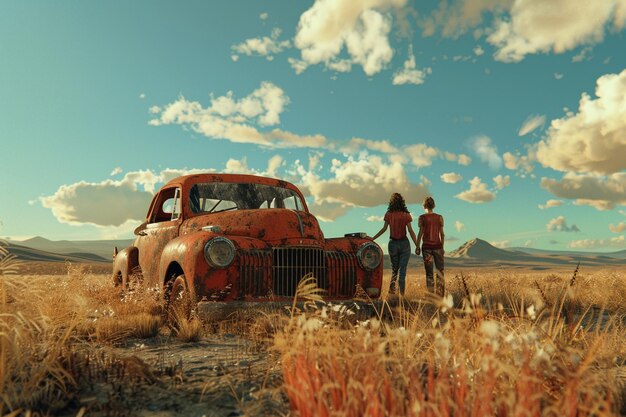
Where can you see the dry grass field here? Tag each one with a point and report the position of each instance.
(500, 344)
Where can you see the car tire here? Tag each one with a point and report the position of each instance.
(179, 303)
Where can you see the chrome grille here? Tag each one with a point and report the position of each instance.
(290, 265)
(341, 274)
(255, 273)
(278, 272)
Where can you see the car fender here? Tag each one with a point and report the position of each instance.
(125, 262)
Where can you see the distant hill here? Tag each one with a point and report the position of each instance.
(478, 252)
(30, 254)
(101, 249)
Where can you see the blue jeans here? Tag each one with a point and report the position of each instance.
(399, 253)
(434, 284)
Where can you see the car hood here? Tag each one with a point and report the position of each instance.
(271, 225)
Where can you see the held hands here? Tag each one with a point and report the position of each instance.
(417, 250)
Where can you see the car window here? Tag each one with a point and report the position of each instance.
(220, 196)
(167, 206)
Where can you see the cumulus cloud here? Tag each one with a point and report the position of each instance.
(376, 219)
(592, 140)
(502, 181)
(537, 26)
(559, 224)
(522, 163)
(366, 182)
(421, 155)
(614, 242)
(117, 170)
(360, 28)
(558, 76)
(409, 74)
(621, 227)
(486, 151)
(478, 51)
(451, 177)
(232, 119)
(273, 164)
(550, 204)
(531, 123)
(265, 46)
(459, 226)
(107, 203)
(478, 192)
(603, 193)
(264, 16)
(358, 144)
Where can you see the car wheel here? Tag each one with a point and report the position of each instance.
(179, 303)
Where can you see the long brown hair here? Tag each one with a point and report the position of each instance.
(397, 203)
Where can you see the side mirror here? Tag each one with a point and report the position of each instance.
(141, 229)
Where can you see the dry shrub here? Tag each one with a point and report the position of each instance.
(476, 359)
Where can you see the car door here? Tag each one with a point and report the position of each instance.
(162, 226)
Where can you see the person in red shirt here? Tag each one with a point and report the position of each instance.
(431, 230)
(399, 218)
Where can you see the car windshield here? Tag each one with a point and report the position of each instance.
(220, 196)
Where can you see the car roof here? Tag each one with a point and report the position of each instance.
(186, 181)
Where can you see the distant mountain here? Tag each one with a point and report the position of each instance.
(30, 254)
(480, 249)
(477, 251)
(103, 249)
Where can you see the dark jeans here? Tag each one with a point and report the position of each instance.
(434, 256)
(399, 253)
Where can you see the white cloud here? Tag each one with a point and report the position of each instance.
(116, 170)
(603, 193)
(459, 226)
(409, 74)
(478, 192)
(478, 51)
(486, 151)
(621, 227)
(528, 243)
(550, 204)
(366, 182)
(108, 203)
(559, 224)
(464, 160)
(531, 123)
(376, 219)
(264, 16)
(265, 46)
(358, 144)
(420, 154)
(232, 119)
(273, 164)
(583, 55)
(518, 162)
(592, 140)
(451, 177)
(503, 244)
(142, 96)
(558, 76)
(538, 26)
(361, 28)
(502, 181)
(618, 242)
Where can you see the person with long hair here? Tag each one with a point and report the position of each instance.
(431, 230)
(399, 220)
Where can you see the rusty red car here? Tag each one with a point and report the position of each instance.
(226, 237)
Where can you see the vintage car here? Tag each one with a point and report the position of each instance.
(225, 237)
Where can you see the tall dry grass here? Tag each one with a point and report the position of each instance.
(49, 326)
(493, 353)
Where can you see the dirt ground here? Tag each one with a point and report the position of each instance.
(218, 376)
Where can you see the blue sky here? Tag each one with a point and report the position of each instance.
(511, 113)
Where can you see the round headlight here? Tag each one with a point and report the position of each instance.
(219, 252)
(369, 256)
